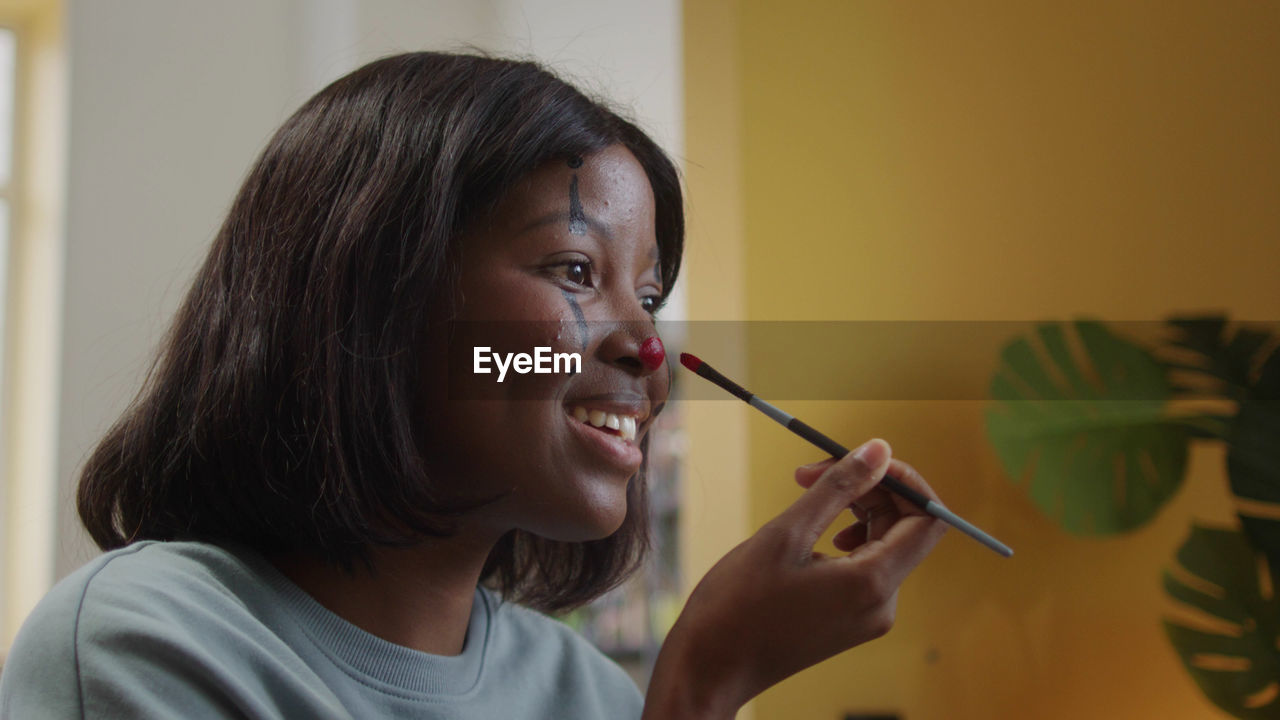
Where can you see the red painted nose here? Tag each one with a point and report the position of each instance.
(652, 353)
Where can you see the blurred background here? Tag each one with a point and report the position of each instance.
(986, 162)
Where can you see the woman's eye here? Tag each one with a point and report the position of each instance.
(651, 304)
(577, 272)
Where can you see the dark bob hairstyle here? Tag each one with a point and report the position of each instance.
(283, 411)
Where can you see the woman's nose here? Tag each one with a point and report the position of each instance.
(633, 346)
(631, 341)
(652, 353)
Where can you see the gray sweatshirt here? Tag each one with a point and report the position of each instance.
(191, 630)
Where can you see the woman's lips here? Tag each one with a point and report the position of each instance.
(608, 442)
(621, 424)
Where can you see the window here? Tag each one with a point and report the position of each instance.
(8, 90)
(32, 153)
(8, 93)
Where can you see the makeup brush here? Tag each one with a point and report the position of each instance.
(890, 483)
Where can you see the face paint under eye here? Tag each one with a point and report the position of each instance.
(577, 314)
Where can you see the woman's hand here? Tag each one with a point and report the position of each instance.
(773, 606)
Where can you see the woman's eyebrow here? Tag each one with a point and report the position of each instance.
(597, 228)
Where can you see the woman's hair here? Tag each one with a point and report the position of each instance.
(284, 410)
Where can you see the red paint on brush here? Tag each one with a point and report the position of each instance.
(690, 361)
(652, 353)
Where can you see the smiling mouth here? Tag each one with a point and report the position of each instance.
(619, 424)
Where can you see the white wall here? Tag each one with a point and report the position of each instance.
(170, 102)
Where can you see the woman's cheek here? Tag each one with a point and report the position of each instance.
(538, 355)
(571, 336)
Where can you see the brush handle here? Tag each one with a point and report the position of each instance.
(838, 451)
(893, 484)
(808, 432)
(889, 482)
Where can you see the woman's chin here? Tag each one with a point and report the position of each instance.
(609, 527)
(595, 528)
(595, 521)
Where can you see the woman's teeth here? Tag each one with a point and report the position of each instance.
(624, 424)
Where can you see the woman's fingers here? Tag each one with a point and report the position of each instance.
(881, 515)
(907, 532)
(911, 478)
(840, 484)
(807, 475)
(876, 512)
(877, 500)
(912, 533)
(851, 538)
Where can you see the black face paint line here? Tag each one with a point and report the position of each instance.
(577, 218)
(577, 314)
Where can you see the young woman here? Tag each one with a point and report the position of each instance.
(318, 508)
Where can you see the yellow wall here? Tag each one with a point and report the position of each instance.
(976, 162)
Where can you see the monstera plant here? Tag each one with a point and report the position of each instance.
(1089, 421)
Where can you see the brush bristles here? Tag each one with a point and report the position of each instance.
(706, 371)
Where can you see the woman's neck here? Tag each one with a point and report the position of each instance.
(417, 597)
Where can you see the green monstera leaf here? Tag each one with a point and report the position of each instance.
(1253, 465)
(1230, 649)
(1245, 364)
(1227, 354)
(1101, 453)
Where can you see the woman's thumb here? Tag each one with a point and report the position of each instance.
(844, 482)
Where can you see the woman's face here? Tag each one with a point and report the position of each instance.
(567, 262)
